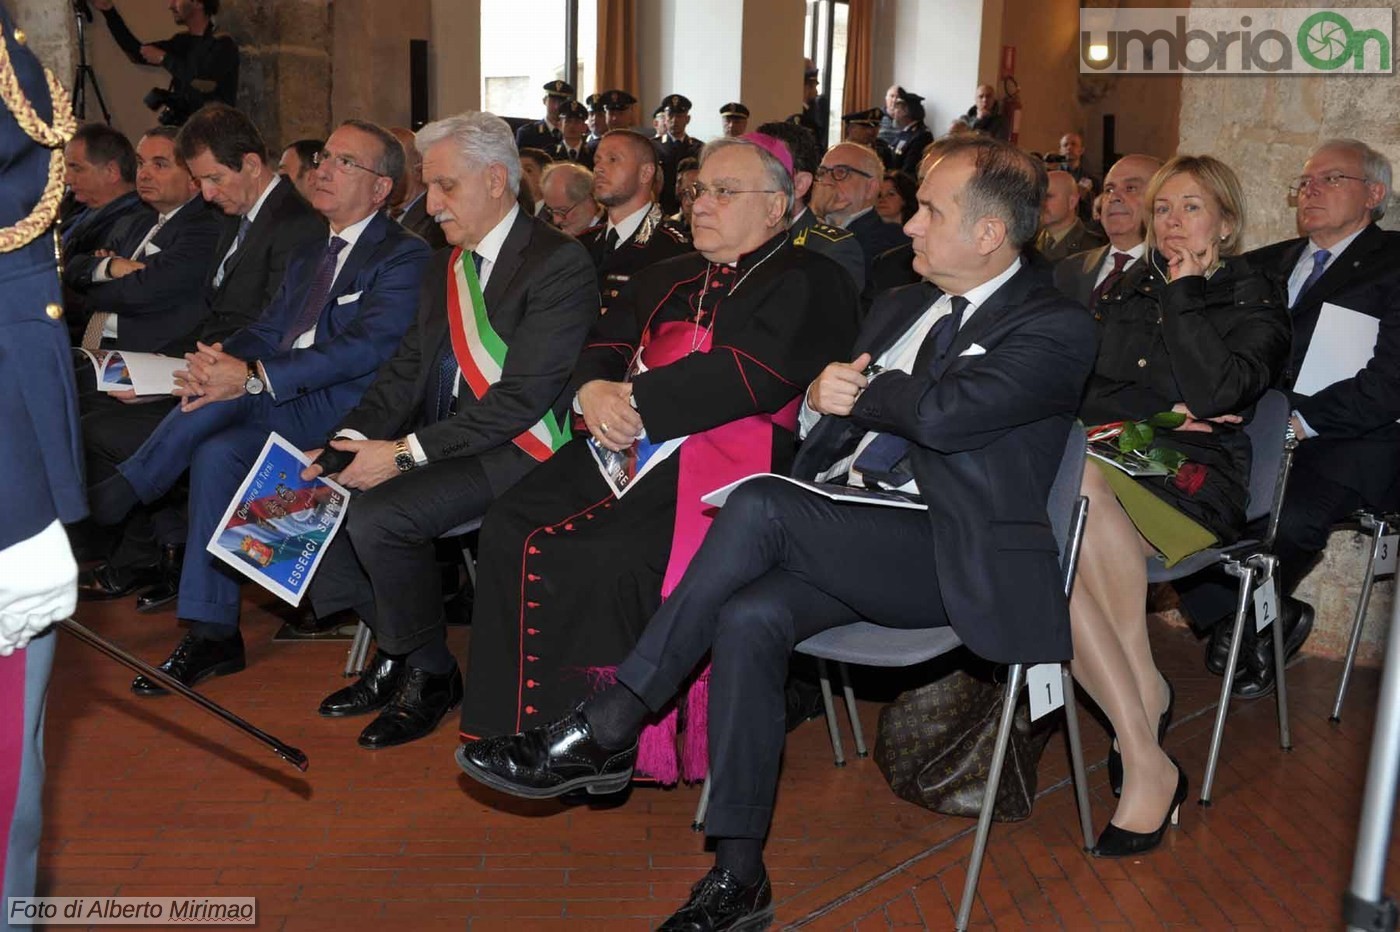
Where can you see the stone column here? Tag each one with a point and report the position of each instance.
(285, 74)
(52, 34)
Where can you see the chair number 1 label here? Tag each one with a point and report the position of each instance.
(1385, 556)
(1047, 688)
(1265, 604)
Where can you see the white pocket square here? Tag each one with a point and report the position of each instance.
(151, 249)
(976, 349)
(347, 298)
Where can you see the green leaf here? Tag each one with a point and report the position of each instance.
(1167, 420)
(1172, 459)
(1135, 436)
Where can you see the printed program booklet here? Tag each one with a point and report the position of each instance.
(623, 470)
(832, 490)
(278, 525)
(146, 373)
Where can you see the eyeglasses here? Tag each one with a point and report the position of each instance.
(1331, 180)
(839, 172)
(722, 194)
(558, 213)
(342, 163)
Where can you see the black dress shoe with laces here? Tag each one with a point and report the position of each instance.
(415, 709)
(1259, 679)
(548, 761)
(195, 659)
(371, 692)
(167, 589)
(720, 902)
(105, 581)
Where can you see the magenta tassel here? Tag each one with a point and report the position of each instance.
(656, 751)
(695, 752)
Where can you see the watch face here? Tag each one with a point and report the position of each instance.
(253, 386)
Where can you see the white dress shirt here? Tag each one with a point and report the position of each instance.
(627, 227)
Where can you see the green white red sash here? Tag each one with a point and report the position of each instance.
(481, 353)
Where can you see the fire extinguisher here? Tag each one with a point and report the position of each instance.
(1011, 106)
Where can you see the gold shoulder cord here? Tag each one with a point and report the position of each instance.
(53, 137)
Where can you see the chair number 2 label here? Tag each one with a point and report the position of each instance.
(1265, 604)
(1047, 688)
(1385, 556)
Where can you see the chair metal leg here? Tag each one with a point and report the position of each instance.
(470, 561)
(1076, 758)
(699, 824)
(851, 709)
(359, 651)
(1285, 738)
(1015, 679)
(1245, 572)
(831, 726)
(1377, 529)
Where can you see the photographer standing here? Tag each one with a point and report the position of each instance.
(203, 64)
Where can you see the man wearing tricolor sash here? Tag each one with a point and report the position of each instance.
(473, 399)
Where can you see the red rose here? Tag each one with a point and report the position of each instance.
(1190, 477)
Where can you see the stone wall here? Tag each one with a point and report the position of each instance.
(52, 35)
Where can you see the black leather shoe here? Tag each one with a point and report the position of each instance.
(167, 590)
(415, 708)
(551, 760)
(105, 581)
(371, 692)
(1221, 636)
(1258, 679)
(719, 902)
(195, 659)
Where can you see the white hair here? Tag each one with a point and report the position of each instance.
(481, 138)
(1374, 165)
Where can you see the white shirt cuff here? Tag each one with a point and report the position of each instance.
(416, 449)
(1308, 432)
(99, 274)
(349, 433)
(806, 419)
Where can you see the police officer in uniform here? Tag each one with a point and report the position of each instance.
(617, 110)
(203, 64)
(546, 134)
(674, 147)
(573, 144)
(863, 127)
(913, 136)
(736, 118)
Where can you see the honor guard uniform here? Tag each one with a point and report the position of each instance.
(617, 106)
(675, 146)
(911, 141)
(543, 134)
(573, 118)
(736, 118)
(655, 239)
(863, 127)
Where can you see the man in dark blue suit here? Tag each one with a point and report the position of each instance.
(966, 388)
(342, 309)
(40, 452)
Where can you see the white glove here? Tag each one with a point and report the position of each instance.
(38, 586)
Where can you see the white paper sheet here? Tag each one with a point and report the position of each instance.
(1343, 342)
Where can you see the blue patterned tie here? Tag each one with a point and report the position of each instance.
(447, 368)
(316, 297)
(885, 458)
(1319, 266)
(244, 225)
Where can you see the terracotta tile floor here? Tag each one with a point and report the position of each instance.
(155, 797)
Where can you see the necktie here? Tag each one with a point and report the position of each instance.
(1319, 266)
(610, 242)
(885, 458)
(448, 369)
(316, 297)
(97, 324)
(1120, 259)
(244, 225)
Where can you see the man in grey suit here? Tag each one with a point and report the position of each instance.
(1087, 275)
(472, 400)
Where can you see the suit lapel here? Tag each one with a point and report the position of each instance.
(262, 226)
(508, 262)
(1342, 272)
(364, 247)
(1010, 295)
(915, 300)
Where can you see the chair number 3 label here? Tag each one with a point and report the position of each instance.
(1385, 556)
(1265, 604)
(1047, 688)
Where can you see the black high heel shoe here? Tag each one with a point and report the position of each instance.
(1115, 759)
(1118, 842)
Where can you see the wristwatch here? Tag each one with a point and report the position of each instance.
(403, 456)
(253, 384)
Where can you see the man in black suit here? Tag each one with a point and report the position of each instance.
(265, 222)
(1086, 276)
(966, 388)
(843, 195)
(482, 418)
(1348, 453)
(637, 232)
(409, 202)
(140, 289)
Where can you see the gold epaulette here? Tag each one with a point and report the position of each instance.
(829, 232)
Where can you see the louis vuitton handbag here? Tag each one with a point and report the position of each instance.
(934, 745)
